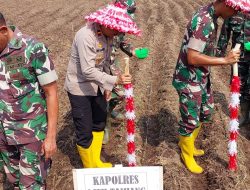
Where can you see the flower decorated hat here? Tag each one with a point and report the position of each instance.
(114, 16)
(239, 5)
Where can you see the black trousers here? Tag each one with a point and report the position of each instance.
(89, 114)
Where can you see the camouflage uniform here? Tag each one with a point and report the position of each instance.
(115, 107)
(119, 42)
(193, 82)
(118, 92)
(131, 6)
(25, 65)
(239, 27)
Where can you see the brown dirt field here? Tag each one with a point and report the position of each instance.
(163, 23)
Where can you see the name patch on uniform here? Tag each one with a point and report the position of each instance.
(14, 62)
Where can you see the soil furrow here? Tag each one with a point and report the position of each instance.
(163, 23)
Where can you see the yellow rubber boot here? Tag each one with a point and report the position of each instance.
(96, 150)
(197, 152)
(86, 156)
(187, 155)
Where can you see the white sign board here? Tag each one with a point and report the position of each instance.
(119, 178)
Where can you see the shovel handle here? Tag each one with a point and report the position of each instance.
(235, 66)
(126, 70)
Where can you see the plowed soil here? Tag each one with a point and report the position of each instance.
(163, 23)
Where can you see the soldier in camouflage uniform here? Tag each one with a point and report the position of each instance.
(239, 27)
(192, 76)
(114, 107)
(120, 42)
(28, 108)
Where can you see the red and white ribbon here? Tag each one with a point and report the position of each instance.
(234, 123)
(233, 109)
(130, 116)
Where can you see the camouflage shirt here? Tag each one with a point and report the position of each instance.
(24, 67)
(120, 40)
(130, 4)
(238, 27)
(200, 35)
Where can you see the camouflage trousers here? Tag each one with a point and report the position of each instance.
(117, 94)
(196, 105)
(117, 98)
(24, 166)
